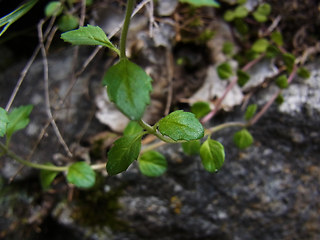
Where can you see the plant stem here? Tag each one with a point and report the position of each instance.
(228, 89)
(153, 131)
(124, 33)
(30, 164)
(225, 125)
(153, 146)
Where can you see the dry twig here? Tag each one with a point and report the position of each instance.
(46, 89)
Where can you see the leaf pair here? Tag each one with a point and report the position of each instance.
(178, 125)
(128, 85)
(211, 153)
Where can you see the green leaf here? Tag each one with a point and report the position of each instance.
(241, 26)
(18, 119)
(282, 81)
(89, 35)
(152, 164)
(260, 45)
(3, 121)
(132, 128)
(200, 109)
(129, 88)
(243, 77)
(7, 20)
(303, 72)
(262, 13)
(201, 3)
(288, 60)
(279, 99)
(124, 151)
(259, 17)
(89, 2)
(229, 16)
(224, 70)
(53, 8)
(277, 38)
(243, 139)
(241, 12)
(227, 48)
(272, 51)
(47, 177)
(180, 125)
(241, 1)
(250, 112)
(212, 155)
(251, 55)
(68, 22)
(191, 147)
(81, 175)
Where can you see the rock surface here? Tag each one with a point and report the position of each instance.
(269, 191)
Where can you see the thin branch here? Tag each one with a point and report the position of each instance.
(225, 125)
(272, 99)
(27, 67)
(170, 68)
(83, 13)
(30, 164)
(46, 88)
(135, 11)
(151, 18)
(228, 89)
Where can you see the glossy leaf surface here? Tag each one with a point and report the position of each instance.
(212, 155)
(124, 151)
(180, 125)
(152, 164)
(81, 175)
(191, 147)
(243, 139)
(129, 88)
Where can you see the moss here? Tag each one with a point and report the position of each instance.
(97, 208)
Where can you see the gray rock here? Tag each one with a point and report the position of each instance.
(166, 7)
(70, 116)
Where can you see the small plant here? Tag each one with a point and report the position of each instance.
(129, 87)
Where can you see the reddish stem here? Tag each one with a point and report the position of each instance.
(228, 89)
